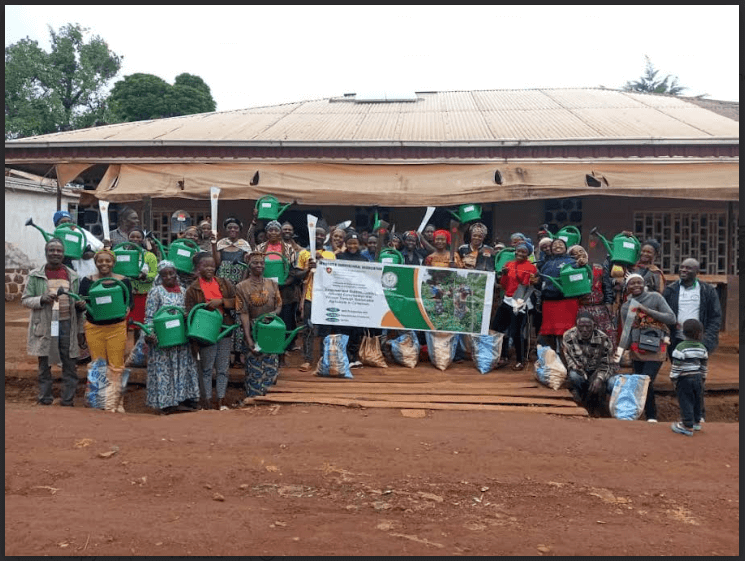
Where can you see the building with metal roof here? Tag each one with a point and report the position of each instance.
(669, 164)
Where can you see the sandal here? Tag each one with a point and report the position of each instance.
(519, 366)
(305, 367)
(502, 362)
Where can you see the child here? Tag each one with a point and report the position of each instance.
(688, 372)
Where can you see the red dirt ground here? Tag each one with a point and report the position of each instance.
(323, 480)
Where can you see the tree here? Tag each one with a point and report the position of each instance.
(59, 90)
(650, 84)
(139, 97)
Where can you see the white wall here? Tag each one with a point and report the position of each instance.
(22, 204)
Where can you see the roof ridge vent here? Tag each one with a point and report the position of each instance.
(382, 96)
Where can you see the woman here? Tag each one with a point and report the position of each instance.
(653, 277)
(652, 317)
(172, 377)
(205, 235)
(559, 314)
(412, 254)
(229, 254)
(396, 241)
(276, 249)
(440, 257)
(256, 296)
(336, 241)
(598, 303)
(352, 253)
(476, 254)
(142, 284)
(107, 339)
(219, 294)
(515, 274)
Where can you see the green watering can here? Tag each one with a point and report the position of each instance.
(180, 253)
(73, 240)
(104, 302)
(573, 281)
(206, 325)
(169, 325)
(269, 208)
(129, 262)
(270, 334)
(276, 268)
(391, 256)
(623, 249)
(570, 234)
(467, 213)
(503, 257)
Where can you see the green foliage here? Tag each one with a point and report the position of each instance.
(59, 90)
(450, 283)
(649, 82)
(139, 97)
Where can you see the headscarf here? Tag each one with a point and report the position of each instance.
(527, 246)
(165, 264)
(443, 233)
(59, 215)
(411, 233)
(518, 235)
(631, 276)
(480, 227)
(273, 224)
(231, 219)
(104, 250)
(351, 236)
(544, 242)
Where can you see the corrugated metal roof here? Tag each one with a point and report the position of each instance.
(456, 116)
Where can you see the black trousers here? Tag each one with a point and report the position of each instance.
(690, 391)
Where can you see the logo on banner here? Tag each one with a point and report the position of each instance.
(328, 270)
(389, 279)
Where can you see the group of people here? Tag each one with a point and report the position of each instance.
(228, 276)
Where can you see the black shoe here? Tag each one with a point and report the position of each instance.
(43, 402)
(66, 404)
(576, 396)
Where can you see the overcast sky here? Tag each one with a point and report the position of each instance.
(256, 56)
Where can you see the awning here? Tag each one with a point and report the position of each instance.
(416, 185)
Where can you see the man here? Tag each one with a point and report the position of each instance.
(288, 236)
(128, 219)
(83, 267)
(588, 353)
(56, 327)
(371, 244)
(691, 299)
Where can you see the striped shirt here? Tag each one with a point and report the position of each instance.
(689, 358)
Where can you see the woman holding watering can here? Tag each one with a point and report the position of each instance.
(107, 339)
(172, 377)
(600, 301)
(229, 254)
(559, 313)
(256, 296)
(218, 294)
(142, 284)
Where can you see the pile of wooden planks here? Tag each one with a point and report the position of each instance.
(425, 388)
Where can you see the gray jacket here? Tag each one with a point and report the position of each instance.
(40, 324)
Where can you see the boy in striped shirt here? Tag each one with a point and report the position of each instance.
(688, 372)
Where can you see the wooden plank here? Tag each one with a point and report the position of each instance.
(573, 411)
(329, 382)
(515, 392)
(559, 402)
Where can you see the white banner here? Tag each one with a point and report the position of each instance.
(381, 295)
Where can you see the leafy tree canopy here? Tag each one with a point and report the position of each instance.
(59, 90)
(140, 97)
(649, 82)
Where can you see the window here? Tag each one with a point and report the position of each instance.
(682, 234)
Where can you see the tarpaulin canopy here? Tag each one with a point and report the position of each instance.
(419, 185)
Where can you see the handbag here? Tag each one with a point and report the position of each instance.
(370, 353)
(651, 339)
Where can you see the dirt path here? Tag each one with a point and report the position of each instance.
(318, 480)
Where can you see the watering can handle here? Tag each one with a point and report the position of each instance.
(160, 246)
(117, 282)
(191, 313)
(258, 320)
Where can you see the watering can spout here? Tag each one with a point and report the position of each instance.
(146, 328)
(228, 330)
(47, 235)
(61, 291)
(284, 208)
(455, 214)
(291, 335)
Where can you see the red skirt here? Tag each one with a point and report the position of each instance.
(137, 313)
(559, 316)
